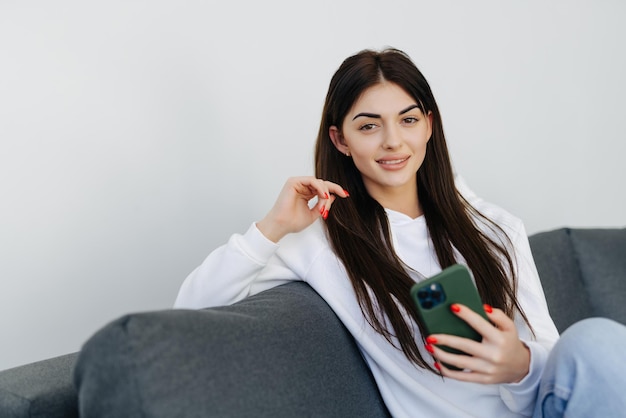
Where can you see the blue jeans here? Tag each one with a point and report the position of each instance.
(585, 375)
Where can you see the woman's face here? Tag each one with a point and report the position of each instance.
(386, 134)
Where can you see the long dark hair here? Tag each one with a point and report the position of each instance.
(358, 228)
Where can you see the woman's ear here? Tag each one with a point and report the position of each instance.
(430, 124)
(338, 141)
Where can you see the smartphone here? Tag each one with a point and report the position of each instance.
(433, 297)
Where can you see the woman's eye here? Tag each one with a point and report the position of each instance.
(367, 127)
(409, 120)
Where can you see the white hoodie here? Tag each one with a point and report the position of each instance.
(250, 263)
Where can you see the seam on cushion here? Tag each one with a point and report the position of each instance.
(22, 399)
(575, 255)
(132, 351)
(581, 273)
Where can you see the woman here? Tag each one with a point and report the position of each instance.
(390, 212)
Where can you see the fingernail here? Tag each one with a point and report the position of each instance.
(437, 366)
(346, 193)
(487, 308)
(429, 348)
(322, 209)
(431, 340)
(326, 195)
(325, 215)
(455, 308)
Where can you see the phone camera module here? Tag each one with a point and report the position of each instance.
(431, 296)
(422, 294)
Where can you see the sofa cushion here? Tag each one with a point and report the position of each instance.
(560, 276)
(42, 389)
(280, 353)
(601, 255)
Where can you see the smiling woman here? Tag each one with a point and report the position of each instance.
(386, 134)
(390, 212)
(422, 189)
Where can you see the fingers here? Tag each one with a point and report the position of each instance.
(468, 346)
(324, 206)
(325, 191)
(466, 374)
(293, 210)
(309, 187)
(462, 361)
(499, 358)
(476, 321)
(499, 319)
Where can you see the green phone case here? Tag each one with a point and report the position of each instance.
(433, 297)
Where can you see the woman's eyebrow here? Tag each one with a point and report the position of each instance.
(377, 116)
(413, 106)
(367, 115)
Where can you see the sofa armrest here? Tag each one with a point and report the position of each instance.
(41, 389)
(280, 353)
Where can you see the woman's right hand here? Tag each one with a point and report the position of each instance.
(291, 212)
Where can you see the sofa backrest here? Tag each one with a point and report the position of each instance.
(583, 273)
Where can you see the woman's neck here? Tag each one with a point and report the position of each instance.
(406, 203)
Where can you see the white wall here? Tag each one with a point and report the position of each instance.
(137, 136)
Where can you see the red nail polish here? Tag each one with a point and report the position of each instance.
(487, 308)
(346, 193)
(437, 366)
(326, 195)
(431, 340)
(429, 348)
(325, 215)
(322, 209)
(455, 308)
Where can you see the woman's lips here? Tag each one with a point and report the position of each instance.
(393, 163)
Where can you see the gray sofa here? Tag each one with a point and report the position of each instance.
(280, 353)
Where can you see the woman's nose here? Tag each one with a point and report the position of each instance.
(391, 138)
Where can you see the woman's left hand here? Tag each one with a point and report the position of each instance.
(499, 358)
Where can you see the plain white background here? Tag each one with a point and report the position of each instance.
(136, 136)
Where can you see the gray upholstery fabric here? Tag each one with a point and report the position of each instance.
(41, 389)
(560, 276)
(582, 272)
(601, 255)
(282, 353)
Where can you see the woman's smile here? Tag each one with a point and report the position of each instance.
(393, 163)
